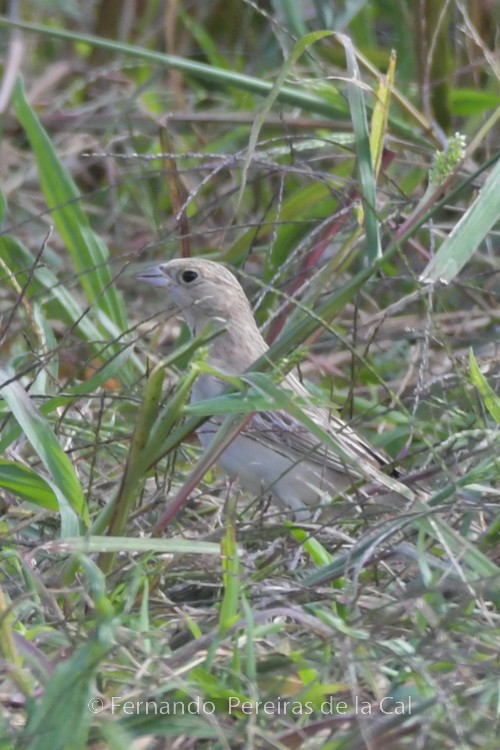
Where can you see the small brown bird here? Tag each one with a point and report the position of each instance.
(274, 453)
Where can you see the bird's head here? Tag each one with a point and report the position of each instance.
(201, 291)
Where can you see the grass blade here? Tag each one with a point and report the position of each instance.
(467, 234)
(39, 433)
(490, 398)
(89, 253)
(26, 483)
(366, 172)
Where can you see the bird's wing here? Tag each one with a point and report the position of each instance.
(284, 433)
(279, 429)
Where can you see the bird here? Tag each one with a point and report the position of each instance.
(275, 455)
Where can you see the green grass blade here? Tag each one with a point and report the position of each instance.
(356, 94)
(210, 74)
(272, 96)
(207, 73)
(27, 484)
(63, 717)
(58, 300)
(92, 544)
(466, 236)
(88, 252)
(39, 433)
(231, 576)
(490, 398)
(60, 303)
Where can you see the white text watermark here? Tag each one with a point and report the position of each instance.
(235, 706)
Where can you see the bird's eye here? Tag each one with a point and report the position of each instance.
(189, 276)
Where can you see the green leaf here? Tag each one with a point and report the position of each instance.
(219, 77)
(88, 252)
(60, 303)
(57, 299)
(231, 576)
(27, 484)
(467, 102)
(356, 94)
(467, 234)
(61, 719)
(319, 555)
(490, 398)
(46, 377)
(298, 49)
(41, 436)
(91, 544)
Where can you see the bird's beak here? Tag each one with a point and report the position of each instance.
(154, 276)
